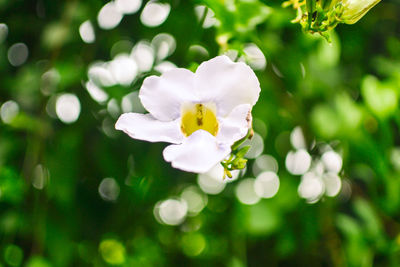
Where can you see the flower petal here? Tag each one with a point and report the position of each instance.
(227, 84)
(146, 127)
(198, 153)
(162, 96)
(236, 125)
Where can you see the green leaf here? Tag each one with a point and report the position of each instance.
(239, 17)
(381, 98)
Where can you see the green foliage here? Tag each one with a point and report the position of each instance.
(238, 17)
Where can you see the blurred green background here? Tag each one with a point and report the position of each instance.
(322, 187)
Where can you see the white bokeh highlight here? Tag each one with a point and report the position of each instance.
(124, 69)
(298, 162)
(101, 75)
(109, 16)
(86, 31)
(3, 32)
(213, 182)
(49, 81)
(255, 57)
(154, 13)
(164, 44)
(18, 54)
(109, 189)
(332, 161)
(98, 94)
(68, 108)
(297, 138)
(245, 192)
(333, 184)
(41, 177)
(266, 184)
(256, 144)
(113, 108)
(195, 199)
(209, 19)
(131, 103)
(198, 51)
(165, 66)
(128, 6)
(8, 111)
(265, 163)
(143, 54)
(311, 187)
(171, 211)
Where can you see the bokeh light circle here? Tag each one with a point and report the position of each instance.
(68, 108)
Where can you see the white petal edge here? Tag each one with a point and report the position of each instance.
(163, 96)
(146, 127)
(235, 126)
(227, 84)
(198, 153)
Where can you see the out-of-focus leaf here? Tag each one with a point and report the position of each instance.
(370, 220)
(350, 113)
(260, 219)
(381, 98)
(325, 121)
(238, 17)
(37, 261)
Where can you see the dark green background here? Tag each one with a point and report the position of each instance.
(64, 223)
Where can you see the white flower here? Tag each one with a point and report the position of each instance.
(202, 114)
(354, 10)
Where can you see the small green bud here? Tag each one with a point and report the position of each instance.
(354, 10)
(242, 152)
(239, 163)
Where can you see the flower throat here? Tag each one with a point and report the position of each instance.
(198, 117)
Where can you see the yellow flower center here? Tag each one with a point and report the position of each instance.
(199, 117)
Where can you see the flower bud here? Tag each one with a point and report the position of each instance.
(354, 10)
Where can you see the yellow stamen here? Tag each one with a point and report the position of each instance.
(199, 117)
